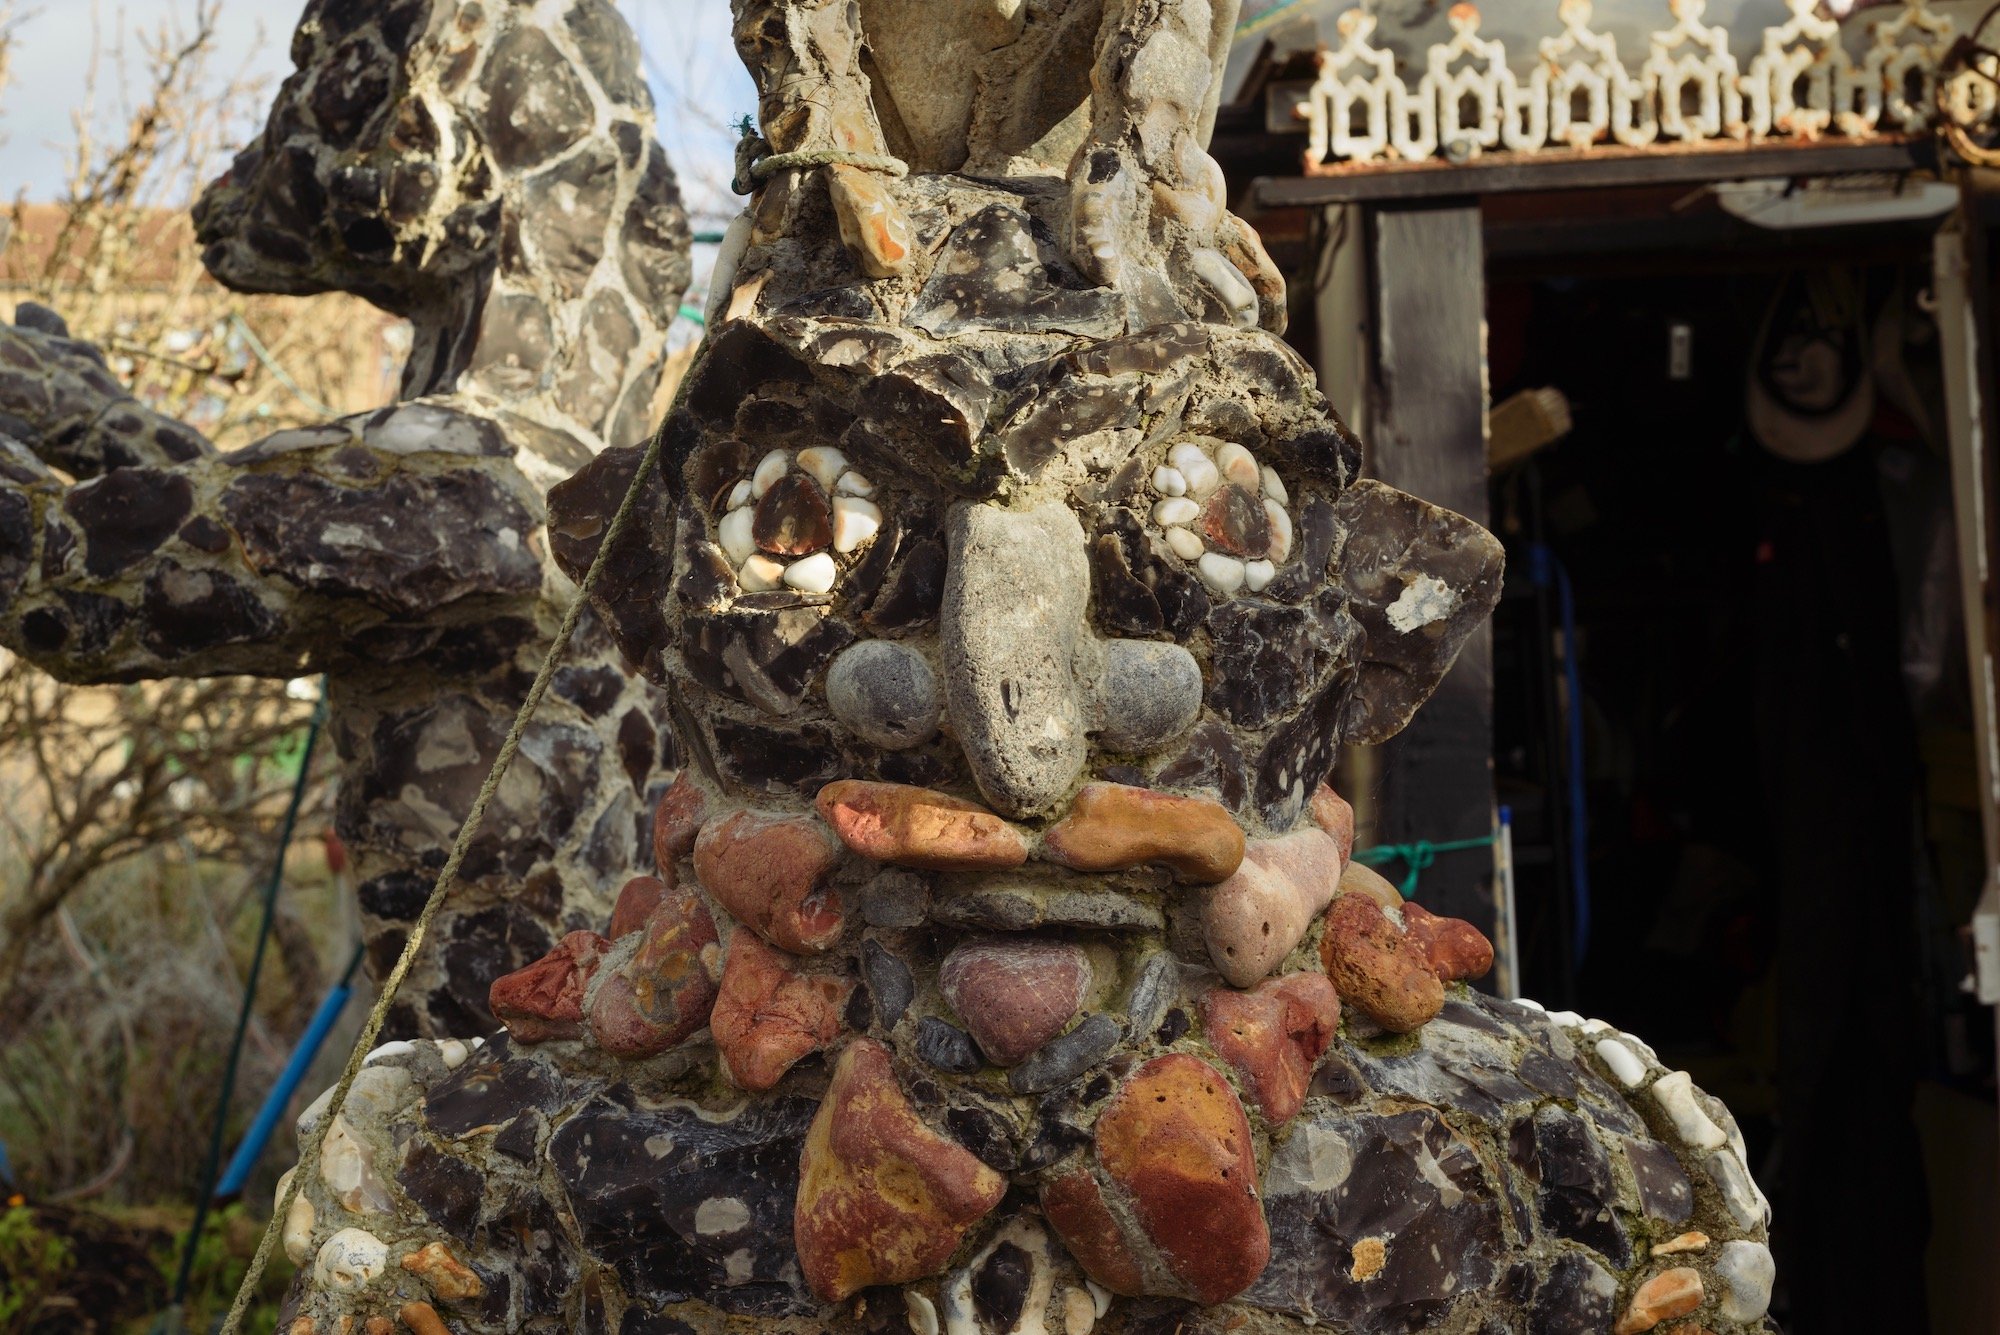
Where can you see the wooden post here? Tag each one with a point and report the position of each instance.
(1427, 436)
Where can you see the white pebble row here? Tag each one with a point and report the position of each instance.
(1747, 1273)
(739, 495)
(922, 1312)
(1567, 1019)
(1529, 1003)
(1200, 471)
(761, 574)
(825, 463)
(1631, 1072)
(1169, 481)
(1739, 1193)
(1257, 575)
(1185, 544)
(735, 535)
(1281, 531)
(853, 484)
(855, 521)
(297, 1235)
(1675, 1095)
(1274, 490)
(769, 469)
(1238, 467)
(1187, 478)
(1099, 1295)
(453, 1053)
(1224, 574)
(397, 1048)
(1175, 510)
(814, 574)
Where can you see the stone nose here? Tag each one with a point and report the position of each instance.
(1013, 632)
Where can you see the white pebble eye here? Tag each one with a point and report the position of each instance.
(1224, 513)
(784, 524)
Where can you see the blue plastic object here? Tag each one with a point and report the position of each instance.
(1546, 571)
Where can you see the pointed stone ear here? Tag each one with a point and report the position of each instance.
(1419, 580)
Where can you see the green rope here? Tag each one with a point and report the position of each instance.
(309, 1153)
(276, 881)
(1417, 857)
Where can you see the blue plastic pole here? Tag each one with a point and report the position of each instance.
(259, 1134)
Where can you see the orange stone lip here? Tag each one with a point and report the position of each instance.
(1110, 827)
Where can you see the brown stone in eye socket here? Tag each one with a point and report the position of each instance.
(793, 518)
(1234, 520)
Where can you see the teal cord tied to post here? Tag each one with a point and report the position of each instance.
(1417, 857)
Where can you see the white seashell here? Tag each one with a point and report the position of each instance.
(1099, 1295)
(825, 463)
(855, 521)
(1739, 1194)
(1168, 481)
(1529, 1003)
(761, 574)
(1175, 510)
(1631, 1072)
(397, 1048)
(1185, 544)
(1747, 1273)
(735, 534)
(1273, 488)
(1281, 532)
(1257, 575)
(1224, 574)
(298, 1234)
(769, 469)
(1567, 1019)
(812, 575)
(1593, 1028)
(1238, 466)
(739, 495)
(922, 1312)
(1675, 1095)
(349, 1260)
(854, 484)
(453, 1053)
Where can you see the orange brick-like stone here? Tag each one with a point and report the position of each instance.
(639, 897)
(770, 873)
(1074, 1206)
(883, 1199)
(448, 1277)
(545, 1000)
(1113, 826)
(1177, 1142)
(1331, 813)
(1669, 1294)
(1377, 967)
(770, 1013)
(1274, 1034)
(1456, 949)
(660, 995)
(676, 822)
(915, 827)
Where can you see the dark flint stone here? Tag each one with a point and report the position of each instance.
(1172, 1028)
(483, 946)
(187, 611)
(1067, 1056)
(638, 747)
(766, 659)
(889, 983)
(1000, 1286)
(850, 301)
(914, 592)
(1576, 1297)
(933, 406)
(895, 899)
(609, 51)
(205, 535)
(858, 1010)
(33, 315)
(637, 1321)
(741, 361)
(1575, 1196)
(1125, 576)
(608, 336)
(1331, 451)
(1547, 1076)
(126, 514)
(940, 765)
(447, 1189)
(654, 254)
(1020, 906)
(776, 760)
(1210, 759)
(793, 517)
(594, 690)
(541, 1249)
(1413, 1182)
(1665, 1193)
(1339, 1080)
(1300, 755)
(1448, 1066)
(58, 545)
(966, 288)
(1314, 531)
(1063, 1121)
(1156, 988)
(404, 568)
(1474, 1010)
(488, 1092)
(352, 83)
(536, 104)
(636, 1180)
(1049, 416)
(1147, 353)
(1235, 521)
(398, 895)
(518, 1139)
(1120, 604)
(707, 581)
(86, 624)
(947, 1047)
(1269, 660)
(516, 340)
(986, 1133)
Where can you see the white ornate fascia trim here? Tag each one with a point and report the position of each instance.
(1801, 84)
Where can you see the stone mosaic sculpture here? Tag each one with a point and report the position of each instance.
(490, 172)
(1001, 968)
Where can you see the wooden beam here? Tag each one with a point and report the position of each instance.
(1427, 435)
(1587, 169)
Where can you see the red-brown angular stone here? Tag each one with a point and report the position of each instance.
(1378, 967)
(1236, 522)
(1113, 826)
(1177, 1143)
(1456, 949)
(915, 827)
(883, 1199)
(770, 1012)
(676, 821)
(1014, 994)
(1273, 1035)
(636, 902)
(793, 518)
(770, 873)
(656, 997)
(1074, 1206)
(1331, 813)
(545, 1000)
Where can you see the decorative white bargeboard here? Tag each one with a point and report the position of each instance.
(1801, 83)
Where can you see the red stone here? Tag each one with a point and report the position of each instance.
(793, 517)
(545, 1000)
(915, 827)
(641, 895)
(1074, 1206)
(770, 1012)
(1177, 1143)
(1456, 949)
(883, 1199)
(676, 822)
(1331, 813)
(1377, 967)
(1273, 1035)
(1111, 827)
(1235, 521)
(1014, 994)
(770, 873)
(659, 995)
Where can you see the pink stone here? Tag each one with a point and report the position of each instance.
(1331, 813)
(655, 995)
(1015, 994)
(770, 873)
(771, 1012)
(915, 827)
(1274, 1034)
(1456, 949)
(545, 1000)
(641, 895)
(1256, 917)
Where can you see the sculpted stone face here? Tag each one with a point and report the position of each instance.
(1001, 968)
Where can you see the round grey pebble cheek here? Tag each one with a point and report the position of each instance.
(1149, 693)
(886, 692)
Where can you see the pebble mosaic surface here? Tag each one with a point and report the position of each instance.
(999, 966)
